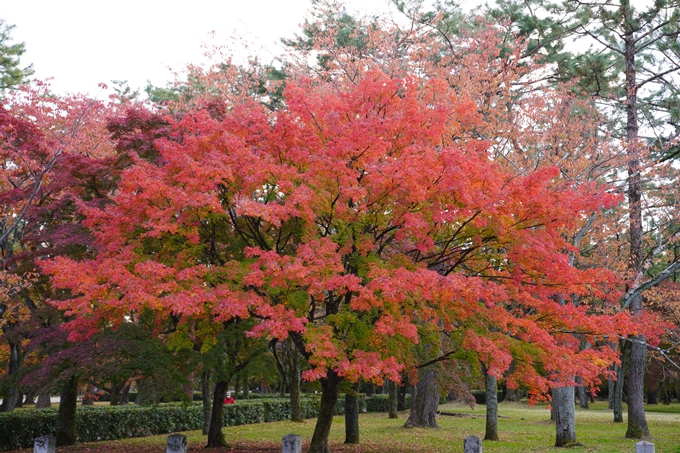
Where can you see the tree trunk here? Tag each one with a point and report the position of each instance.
(215, 436)
(582, 394)
(637, 423)
(565, 417)
(329, 398)
(425, 401)
(295, 405)
(553, 406)
(491, 406)
(393, 406)
(43, 401)
(352, 415)
(246, 384)
(115, 393)
(125, 393)
(611, 389)
(624, 347)
(401, 396)
(206, 397)
(651, 396)
(512, 395)
(11, 395)
(370, 389)
(66, 421)
(665, 397)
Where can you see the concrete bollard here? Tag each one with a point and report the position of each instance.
(472, 444)
(177, 443)
(644, 447)
(44, 444)
(291, 443)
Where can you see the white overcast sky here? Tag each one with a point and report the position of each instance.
(80, 43)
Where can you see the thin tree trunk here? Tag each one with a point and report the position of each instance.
(392, 412)
(43, 401)
(215, 436)
(624, 348)
(295, 405)
(11, 396)
(401, 396)
(206, 397)
(565, 417)
(425, 401)
(512, 395)
(651, 396)
(352, 415)
(246, 384)
(329, 398)
(491, 405)
(611, 389)
(66, 419)
(115, 393)
(665, 397)
(125, 393)
(582, 394)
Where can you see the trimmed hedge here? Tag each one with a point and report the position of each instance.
(95, 423)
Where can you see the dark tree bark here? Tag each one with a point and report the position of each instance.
(330, 385)
(11, 395)
(425, 401)
(206, 397)
(611, 389)
(565, 426)
(215, 436)
(115, 393)
(125, 394)
(19, 400)
(295, 405)
(624, 347)
(582, 394)
(651, 396)
(393, 406)
(401, 396)
(352, 415)
(491, 406)
(370, 389)
(66, 419)
(246, 384)
(512, 395)
(43, 401)
(665, 396)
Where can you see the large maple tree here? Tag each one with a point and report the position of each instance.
(347, 221)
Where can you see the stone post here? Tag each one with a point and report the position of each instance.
(472, 444)
(644, 447)
(291, 443)
(44, 444)
(177, 443)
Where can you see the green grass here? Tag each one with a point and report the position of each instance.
(521, 428)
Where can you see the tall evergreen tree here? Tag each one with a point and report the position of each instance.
(11, 72)
(631, 65)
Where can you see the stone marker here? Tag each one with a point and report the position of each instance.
(644, 447)
(44, 444)
(291, 443)
(472, 444)
(177, 443)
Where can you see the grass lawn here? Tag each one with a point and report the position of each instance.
(521, 428)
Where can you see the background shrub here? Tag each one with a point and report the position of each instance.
(95, 423)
